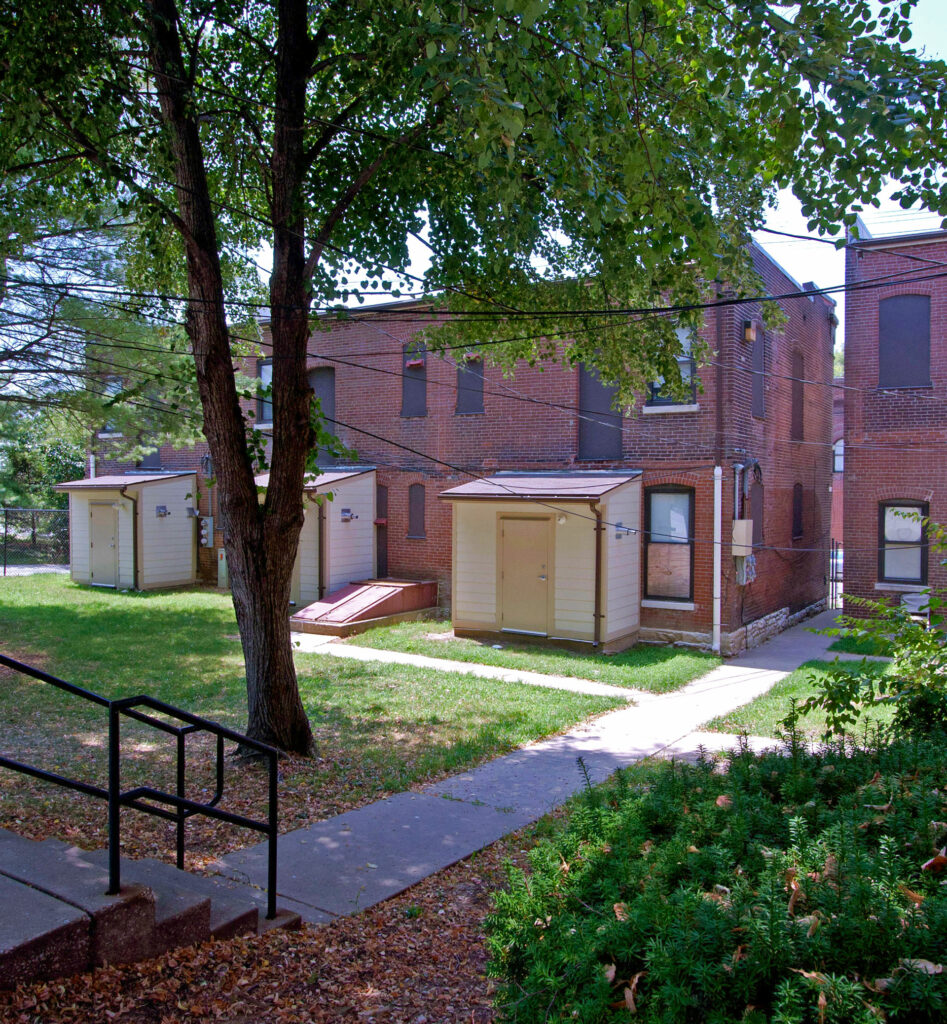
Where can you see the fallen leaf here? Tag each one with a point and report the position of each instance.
(631, 991)
(925, 966)
(937, 863)
(609, 972)
(724, 801)
(621, 911)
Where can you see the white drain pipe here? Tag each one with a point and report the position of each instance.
(718, 552)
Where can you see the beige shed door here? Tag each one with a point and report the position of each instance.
(524, 575)
(103, 545)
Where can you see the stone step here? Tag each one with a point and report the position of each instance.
(40, 937)
(122, 926)
(231, 910)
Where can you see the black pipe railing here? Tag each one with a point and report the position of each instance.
(182, 807)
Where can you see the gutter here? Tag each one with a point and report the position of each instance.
(134, 502)
(597, 614)
(322, 548)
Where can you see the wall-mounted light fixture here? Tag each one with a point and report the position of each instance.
(749, 331)
(161, 511)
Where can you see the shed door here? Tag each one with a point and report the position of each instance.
(524, 575)
(103, 545)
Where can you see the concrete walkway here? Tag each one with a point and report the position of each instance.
(360, 858)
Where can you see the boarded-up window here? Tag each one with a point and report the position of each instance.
(322, 382)
(381, 529)
(759, 378)
(902, 542)
(414, 381)
(470, 386)
(797, 516)
(797, 421)
(904, 341)
(669, 543)
(600, 428)
(661, 393)
(756, 512)
(264, 405)
(416, 511)
(150, 461)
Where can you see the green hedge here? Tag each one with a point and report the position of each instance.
(787, 889)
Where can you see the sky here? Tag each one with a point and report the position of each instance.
(818, 262)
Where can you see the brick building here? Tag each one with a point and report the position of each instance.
(895, 412)
(759, 414)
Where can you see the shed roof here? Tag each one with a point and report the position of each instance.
(118, 481)
(328, 478)
(587, 486)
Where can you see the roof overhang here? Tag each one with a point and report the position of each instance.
(584, 487)
(319, 483)
(118, 481)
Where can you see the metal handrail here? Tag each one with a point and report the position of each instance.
(183, 808)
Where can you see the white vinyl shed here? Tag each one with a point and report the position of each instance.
(135, 531)
(337, 541)
(554, 555)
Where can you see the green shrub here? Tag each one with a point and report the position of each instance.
(789, 889)
(917, 684)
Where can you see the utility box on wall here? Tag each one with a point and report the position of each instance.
(742, 540)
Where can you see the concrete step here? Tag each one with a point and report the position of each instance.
(40, 937)
(122, 926)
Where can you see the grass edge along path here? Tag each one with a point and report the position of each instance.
(654, 668)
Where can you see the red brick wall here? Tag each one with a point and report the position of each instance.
(895, 441)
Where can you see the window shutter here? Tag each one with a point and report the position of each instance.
(600, 433)
(904, 341)
(414, 381)
(416, 510)
(797, 422)
(469, 386)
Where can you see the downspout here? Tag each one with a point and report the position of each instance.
(322, 548)
(597, 614)
(91, 465)
(718, 560)
(719, 380)
(134, 502)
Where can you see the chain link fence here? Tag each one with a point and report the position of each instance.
(34, 540)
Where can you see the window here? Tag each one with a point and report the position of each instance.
(659, 394)
(469, 386)
(759, 377)
(756, 512)
(797, 413)
(904, 341)
(797, 510)
(150, 461)
(838, 456)
(414, 381)
(416, 511)
(902, 542)
(322, 382)
(669, 543)
(264, 404)
(600, 428)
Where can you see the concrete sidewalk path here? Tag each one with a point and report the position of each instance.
(360, 858)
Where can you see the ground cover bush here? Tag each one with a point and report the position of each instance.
(797, 889)
(657, 668)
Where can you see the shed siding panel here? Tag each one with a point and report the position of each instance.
(574, 570)
(308, 556)
(79, 537)
(622, 563)
(475, 596)
(168, 543)
(350, 547)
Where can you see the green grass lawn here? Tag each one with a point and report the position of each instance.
(656, 668)
(870, 645)
(762, 716)
(379, 728)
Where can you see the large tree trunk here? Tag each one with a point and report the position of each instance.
(260, 539)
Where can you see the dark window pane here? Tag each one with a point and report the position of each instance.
(322, 382)
(902, 542)
(756, 512)
(600, 428)
(381, 529)
(669, 543)
(151, 461)
(659, 394)
(416, 510)
(796, 426)
(264, 406)
(797, 523)
(759, 379)
(414, 381)
(470, 386)
(904, 341)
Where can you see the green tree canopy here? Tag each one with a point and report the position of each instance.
(570, 162)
